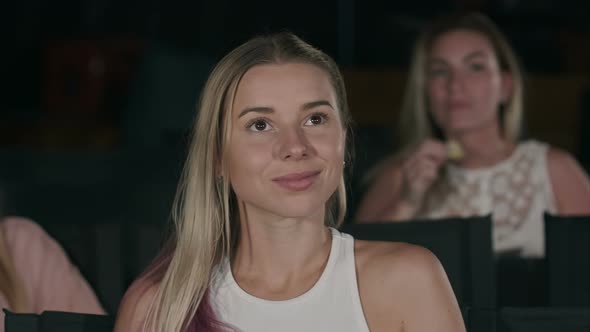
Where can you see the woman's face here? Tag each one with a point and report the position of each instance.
(464, 82)
(287, 142)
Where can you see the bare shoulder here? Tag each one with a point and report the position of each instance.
(21, 227)
(571, 185)
(135, 305)
(400, 284)
(560, 159)
(397, 260)
(28, 240)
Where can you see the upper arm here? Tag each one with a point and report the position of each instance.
(134, 306)
(381, 194)
(571, 186)
(404, 287)
(429, 301)
(51, 280)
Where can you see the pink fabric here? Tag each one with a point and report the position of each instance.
(50, 279)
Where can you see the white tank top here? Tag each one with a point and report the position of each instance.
(332, 304)
(517, 192)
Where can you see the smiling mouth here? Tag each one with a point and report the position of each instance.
(458, 105)
(297, 181)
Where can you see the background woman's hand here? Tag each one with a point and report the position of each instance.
(399, 187)
(420, 169)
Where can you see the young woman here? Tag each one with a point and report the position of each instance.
(460, 125)
(253, 248)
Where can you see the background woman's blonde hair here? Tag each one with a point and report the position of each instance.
(205, 213)
(416, 123)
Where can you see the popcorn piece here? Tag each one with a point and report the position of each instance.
(454, 150)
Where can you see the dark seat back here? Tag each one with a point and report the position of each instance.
(530, 319)
(568, 260)
(479, 319)
(57, 321)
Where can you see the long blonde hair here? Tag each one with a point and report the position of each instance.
(205, 217)
(11, 285)
(416, 123)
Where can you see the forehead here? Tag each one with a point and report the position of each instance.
(268, 84)
(460, 41)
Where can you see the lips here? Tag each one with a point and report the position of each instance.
(453, 105)
(297, 181)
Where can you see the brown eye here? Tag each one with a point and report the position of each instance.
(438, 72)
(259, 125)
(316, 119)
(477, 66)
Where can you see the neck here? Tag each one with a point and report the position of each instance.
(483, 147)
(286, 255)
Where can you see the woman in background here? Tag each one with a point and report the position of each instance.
(460, 126)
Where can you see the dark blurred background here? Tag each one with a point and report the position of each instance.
(98, 95)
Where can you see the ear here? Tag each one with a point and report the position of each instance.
(507, 86)
(218, 170)
(218, 167)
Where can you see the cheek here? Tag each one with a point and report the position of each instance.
(329, 145)
(436, 93)
(246, 158)
(436, 98)
(488, 92)
(333, 153)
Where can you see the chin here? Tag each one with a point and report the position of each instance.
(298, 208)
(464, 127)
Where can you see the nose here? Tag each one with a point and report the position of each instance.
(293, 145)
(456, 83)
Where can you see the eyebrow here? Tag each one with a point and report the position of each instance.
(474, 55)
(435, 61)
(267, 110)
(317, 103)
(468, 57)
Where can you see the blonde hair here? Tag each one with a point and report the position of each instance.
(205, 216)
(10, 284)
(416, 124)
